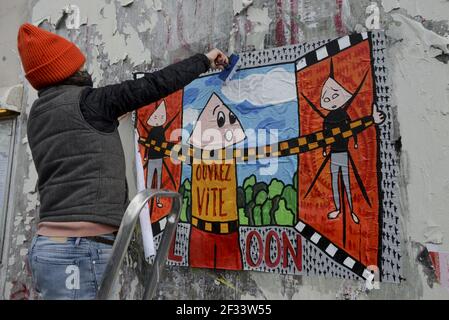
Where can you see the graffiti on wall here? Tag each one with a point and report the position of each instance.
(286, 168)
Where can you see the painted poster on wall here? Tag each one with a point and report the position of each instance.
(286, 168)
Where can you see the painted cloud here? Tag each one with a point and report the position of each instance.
(276, 86)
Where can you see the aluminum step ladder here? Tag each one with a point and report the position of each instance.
(123, 239)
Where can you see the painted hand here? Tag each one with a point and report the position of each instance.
(324, 153)
(379, 116)
(218, 60)
(356, 146)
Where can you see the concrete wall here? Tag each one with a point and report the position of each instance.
(119, 37)
(12, 15)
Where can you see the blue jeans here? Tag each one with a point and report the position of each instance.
(68, 270)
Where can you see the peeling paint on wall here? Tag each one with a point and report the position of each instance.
(240, 5)
(120, 39)
(424, 104)
(125, 3)
(436, 10)
(112, 40)
(260, 22)
(390, 5)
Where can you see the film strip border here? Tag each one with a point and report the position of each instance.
(159, 226)
(286, 54)
(317, 263)
(292, 53)
(330, 49)
(179, 256)
(334, 252)
(290, 147)
(390, 242)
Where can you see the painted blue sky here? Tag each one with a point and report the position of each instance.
(282, 117)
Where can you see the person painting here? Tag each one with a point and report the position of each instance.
(76, 148)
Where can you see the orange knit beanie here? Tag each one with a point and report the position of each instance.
(46, 57)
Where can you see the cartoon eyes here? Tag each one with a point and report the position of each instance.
(334, 96)
(221, 119)
(232, 118)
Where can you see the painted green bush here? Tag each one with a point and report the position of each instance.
(185, 205)
(257, 212)
(248, 194)
(284, 217)
(275, 188)
(258, 203)
(249, 182)
(291, 198)
(186, 209)
(261, 197)
(243, 219)
(266, 212)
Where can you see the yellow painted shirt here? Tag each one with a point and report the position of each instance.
(214, 191)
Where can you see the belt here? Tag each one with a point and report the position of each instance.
(216, 227)
(101, 239)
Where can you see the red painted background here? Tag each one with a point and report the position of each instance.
(173, 105)
(361, 240)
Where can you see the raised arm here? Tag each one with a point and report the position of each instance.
(115, 100)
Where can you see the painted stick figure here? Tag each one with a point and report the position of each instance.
(336, 100)
(154, 159)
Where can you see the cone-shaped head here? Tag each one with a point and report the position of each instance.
(217, 127)
(333, 95)
(158, 117)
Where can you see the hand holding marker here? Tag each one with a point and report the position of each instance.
(218, 60)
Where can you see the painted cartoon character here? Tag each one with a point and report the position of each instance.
(336, 100)
(154, 159)
(214, 233)
(214, 238)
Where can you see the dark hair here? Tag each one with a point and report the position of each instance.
(79, 78)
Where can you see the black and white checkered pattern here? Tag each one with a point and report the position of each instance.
(333, 251)
(159, 226)
(330, 49)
